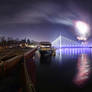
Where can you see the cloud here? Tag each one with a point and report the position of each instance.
(36, 13)
(41, 12)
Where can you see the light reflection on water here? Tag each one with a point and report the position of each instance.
(83, 62)
(71, 52)
(74, 51)
(70, 68)
(83, 70)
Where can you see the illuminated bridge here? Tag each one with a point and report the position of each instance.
(64, 42)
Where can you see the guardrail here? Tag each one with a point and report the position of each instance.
(9, 64)
(28, 65)
(29, 68)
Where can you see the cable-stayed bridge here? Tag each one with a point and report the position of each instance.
(64, 42)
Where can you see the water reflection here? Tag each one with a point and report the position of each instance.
(73, 51)
(83, 66)
(45, 59)
(59, 54)
(70, 66)
(83, 70)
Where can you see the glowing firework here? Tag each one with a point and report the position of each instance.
(83, 30)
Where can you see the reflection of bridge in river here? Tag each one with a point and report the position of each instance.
(74, 51)
(62, 53)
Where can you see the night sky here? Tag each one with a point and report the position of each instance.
(42, 19)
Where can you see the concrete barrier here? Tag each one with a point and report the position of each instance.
(29, 54)
(30, 70)
(9, 64)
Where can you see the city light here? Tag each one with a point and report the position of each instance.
(82, 38)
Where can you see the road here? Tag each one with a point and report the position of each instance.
(9, 53)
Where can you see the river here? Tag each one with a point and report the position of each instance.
(70, 70)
